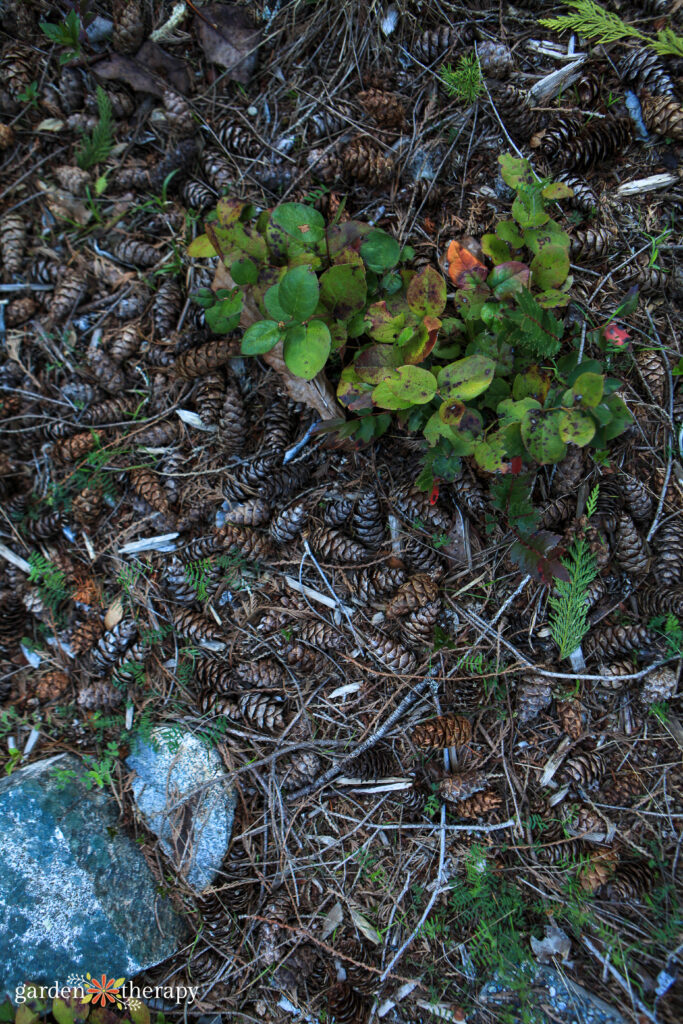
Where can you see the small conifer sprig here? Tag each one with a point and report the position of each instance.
(569, 606)
(97, 147)
(464, 81)
(592, 21)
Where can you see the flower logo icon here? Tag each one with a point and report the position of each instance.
(104, 991)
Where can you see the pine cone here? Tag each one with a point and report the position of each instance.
(386, 107)
(582, 769)
(178, 113)
(263, 711)
(253, 545)
(558, 511)
(636, 498)
(653, 373)
(363, 160)
(598, 869)
(584, 199)
(554, 847)
(255, 512)
(18, 311)
(642, 69)
(441, 732)
(630, 552)
(624, 790)
(197, 362)
(197, 196)
(660, 685)
(196, 627)
(551, 141)
(71, 449)
(333, 546)
(391, 654)
(232, 421)
(52, 686)
(69, 291)
(656, 600)
(12, 243)
(320, 634)
(615, 672)
(461, 785)
(45, 526)
(597, 143)
(533, 694)
(146, 485)
(668, 565)
(413, 505)
(631, 879)
(238, 139)
(607, 641)
(663, 116)
(214, 676)
(100, 695)
(357, 974)
(569, 713)
(368, 521)
(593, 243)
(85, 635)
(266, 672)
(479, 805)
(569, 472)
(345, 1005)
(380, 762)
(129, 25)
(437, 42)
(515, 111)
(288, 524)
(416, 592)
(112, 645)
(417, 629)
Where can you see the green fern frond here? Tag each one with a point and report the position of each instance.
(592, 502)
(569, 609)
(196, 574)
(97, 147)
(593, 22)
(51, 580)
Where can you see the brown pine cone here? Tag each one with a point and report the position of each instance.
(12, 243)
(232, 421)
(208, 397)
(386, 107)
(533, 694)
(441, 732)
(129, 25)
(592, 243)
(636, 498)
(197, 362)
(652, 370)
(461, 785)
(99, 695)
(479, 805)
(417, 629)
(583, 768)
(598, 869)
(368, 520)
(86, 507)
(253, 545)
(345, 1005)
(52, 686)
(660, 685)
(71, 449)
(178, 113)
(569, 713)
(659, 600)
(196, 627)
(515, 111)
(615, 671)
(288, 524)
(355, 956)
(363, 160)
(607, 641)
(630, 881)
(85, 635)
(379, 762)
(414, 505)
(663, 115)
(667, 569)
(391, 654)
(417, 591)
(597, 143)
(333, 546)
(13, 619)
(263, 711)
(630, 552)
(146, 485)
(624, 789)
(18, 311)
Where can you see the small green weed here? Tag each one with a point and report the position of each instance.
(96, 148)
(670, 629)
(51, 581)
(65, 33)
(29, 95)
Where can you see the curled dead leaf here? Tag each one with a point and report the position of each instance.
(228, 37)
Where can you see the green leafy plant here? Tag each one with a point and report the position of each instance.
(196, 573)
(464, 81)
(669, 628)
(592, 21)
(486, 382)
(29, 95)
(96, 148)
(65, 33)
(568, 618)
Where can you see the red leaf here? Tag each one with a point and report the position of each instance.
(433, 497)
(516, 465)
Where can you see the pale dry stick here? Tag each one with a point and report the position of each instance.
(342, 607)
(436, 892)
(606, 278)
(510, 599)
(499, 120)
(478, 829)
(623, 982)
(670, 414)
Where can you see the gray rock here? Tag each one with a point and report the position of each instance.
(76, 893)
(183, 793)
(568, 1001)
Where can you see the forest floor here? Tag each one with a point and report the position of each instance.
(181, 548)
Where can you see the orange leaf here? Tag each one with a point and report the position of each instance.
(463, 267)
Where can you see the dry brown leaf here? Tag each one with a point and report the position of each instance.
(228, 37)
(172, 69)
(114, 613)
(119, 68)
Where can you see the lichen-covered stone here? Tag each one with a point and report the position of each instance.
(75, 891)
(183, 793)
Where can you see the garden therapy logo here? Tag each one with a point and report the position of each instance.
(104, 991)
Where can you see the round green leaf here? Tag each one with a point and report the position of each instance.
(244, 271)
(380, 251)
(224, 316)
(403, 387)
(527, 208)
(306, 349)
(549, 268)
(490, 453)
(541, 436)
(302, 223)
(494, 247)
(426, 295)
(452, 411)
(271, 301)
(588, 388)
(298, 293)
(343, 290)
(260, 337)
(466, 378)
(508, 278)
(201, 247)
(508, 231)
(576, 427)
